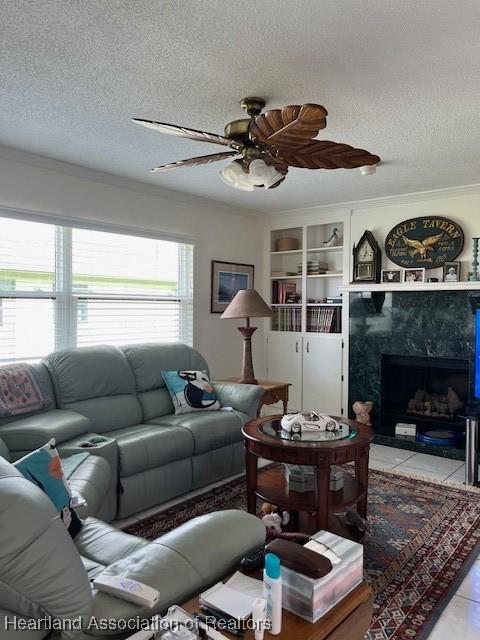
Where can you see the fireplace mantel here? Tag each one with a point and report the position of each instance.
(412, 286)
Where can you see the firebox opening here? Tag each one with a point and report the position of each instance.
(425, 391)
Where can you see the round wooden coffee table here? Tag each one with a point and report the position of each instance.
(264, 439)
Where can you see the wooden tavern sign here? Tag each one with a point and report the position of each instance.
(426, 242)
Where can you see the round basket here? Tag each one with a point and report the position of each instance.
(287, 244)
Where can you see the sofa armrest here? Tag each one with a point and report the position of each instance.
(180, 563)
(35, 431)
(242, 397)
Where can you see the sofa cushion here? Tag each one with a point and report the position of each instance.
(149, 360)
(102, 544)
(209, 429)
(144, 447)
(33, 431)
(109, 412)
(89, 477)
(4, 452)
(89, 372)
(156, 402)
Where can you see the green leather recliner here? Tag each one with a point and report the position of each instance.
(44, 573)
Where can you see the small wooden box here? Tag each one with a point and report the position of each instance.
(287, 244)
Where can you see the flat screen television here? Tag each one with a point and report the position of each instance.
(477, 355)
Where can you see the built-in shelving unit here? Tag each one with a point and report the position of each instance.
(308, 275)
(306, 337)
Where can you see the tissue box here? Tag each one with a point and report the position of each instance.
(311, 599)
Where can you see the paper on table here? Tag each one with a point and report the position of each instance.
(223, 598)
(323, 550)
(247, 585)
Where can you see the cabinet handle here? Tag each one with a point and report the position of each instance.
(296, 346)
(308, 347)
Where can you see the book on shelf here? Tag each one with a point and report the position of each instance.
(324, 320)
(287, 319)
(281, 291)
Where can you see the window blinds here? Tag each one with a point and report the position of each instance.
(64, 287)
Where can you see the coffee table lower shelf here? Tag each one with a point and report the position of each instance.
(272, 487)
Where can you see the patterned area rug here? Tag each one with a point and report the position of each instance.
(423, 538)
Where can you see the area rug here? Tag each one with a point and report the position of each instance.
(423, 538)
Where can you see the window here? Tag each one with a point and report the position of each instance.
(65, 287)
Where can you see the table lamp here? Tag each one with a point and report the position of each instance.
(247, 303)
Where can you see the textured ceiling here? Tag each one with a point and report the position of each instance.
(399, 78)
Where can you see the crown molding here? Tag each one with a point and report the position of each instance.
(356, 205)
(80, 171)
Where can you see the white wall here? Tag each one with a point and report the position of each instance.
(381, 216)
(218, 234)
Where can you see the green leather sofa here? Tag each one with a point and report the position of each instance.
(44, 573)
(119, 394)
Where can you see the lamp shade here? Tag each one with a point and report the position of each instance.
(247, 303)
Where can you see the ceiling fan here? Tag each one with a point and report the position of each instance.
(268, 143)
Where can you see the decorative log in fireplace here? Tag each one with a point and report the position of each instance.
(435, 405)
(427, 391)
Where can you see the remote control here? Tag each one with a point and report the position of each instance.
(254, 559)
(127, 589)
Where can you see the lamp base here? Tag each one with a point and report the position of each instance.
(248, 376)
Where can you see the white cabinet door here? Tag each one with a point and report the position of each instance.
(284, 364)
(322, 374)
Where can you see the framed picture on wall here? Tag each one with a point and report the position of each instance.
(227, 279)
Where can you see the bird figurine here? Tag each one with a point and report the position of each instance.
(333, 239)
(422, 246)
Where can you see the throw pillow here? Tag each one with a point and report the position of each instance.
(43, 467)
(190, 391)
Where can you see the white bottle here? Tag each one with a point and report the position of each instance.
(272, 592)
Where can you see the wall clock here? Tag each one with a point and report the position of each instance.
(427, 242)
(367, 259)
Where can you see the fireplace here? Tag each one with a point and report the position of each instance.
(429, 392)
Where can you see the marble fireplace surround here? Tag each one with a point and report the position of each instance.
(427, 323)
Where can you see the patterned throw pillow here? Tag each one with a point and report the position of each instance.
(44, 468)
(190, 391)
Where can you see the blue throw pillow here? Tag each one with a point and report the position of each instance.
(43, 467)
(190, 391)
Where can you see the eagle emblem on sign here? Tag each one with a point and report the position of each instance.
(422, 246)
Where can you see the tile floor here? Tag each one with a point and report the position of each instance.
(461, 617)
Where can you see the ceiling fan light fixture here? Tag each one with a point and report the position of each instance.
(368, 169)
(263, 175)
(259, 174)
(234, 176)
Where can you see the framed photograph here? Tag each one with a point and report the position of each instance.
(451, 271)
(227, 279)
(391, 275)
(414, 275)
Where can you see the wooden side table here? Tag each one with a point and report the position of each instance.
(273, 392)
(350, 618)
(263, 440)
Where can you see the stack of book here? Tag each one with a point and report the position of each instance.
(287, 319)
(281, 291)
(315, 267)
(324, 320)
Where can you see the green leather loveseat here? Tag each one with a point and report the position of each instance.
(118, 394)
